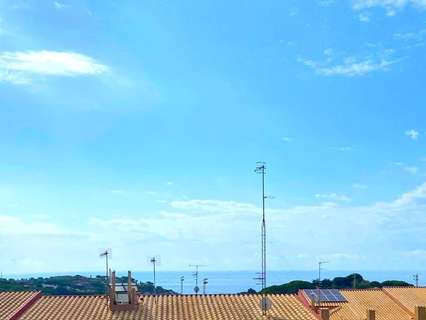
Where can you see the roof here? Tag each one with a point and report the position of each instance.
(408, 297)
(12, 303)
(359, 301)
(176, 307)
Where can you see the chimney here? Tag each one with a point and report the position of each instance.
(112, 290)
(129, 287)
(420, 313)
(371, 315)
(324, 314)
(123, 296)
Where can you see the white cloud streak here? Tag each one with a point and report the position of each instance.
(20, 67)
(332, 196)
(349, 67)
(389, 5)
(413, 134)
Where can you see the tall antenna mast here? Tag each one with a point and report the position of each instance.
(260, 169)
(182, 279)
(106, 253)
(265, 302)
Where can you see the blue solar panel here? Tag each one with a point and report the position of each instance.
(325, 295)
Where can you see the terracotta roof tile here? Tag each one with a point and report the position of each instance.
(170, 307)
(408, 297)
(12, 302)
(359, 301)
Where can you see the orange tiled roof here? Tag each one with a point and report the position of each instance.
(359, 301)
(12, 302)
(408, 297)
(170, 307)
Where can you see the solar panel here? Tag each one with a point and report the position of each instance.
(325, 295)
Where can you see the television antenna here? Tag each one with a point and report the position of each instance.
(261, 169)
(155, 261)
(195, 275)
(205, 282)
(320, 264)
(182, 279)
(416, 278)
(107, 255)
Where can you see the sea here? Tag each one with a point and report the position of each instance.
(235, 281)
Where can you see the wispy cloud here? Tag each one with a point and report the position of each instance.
(413, 134)
(350, 67)
(364, 17)
(60, 5)
(333, 197)
(416, 36)
(325, 3)
(391, 6)
(287, 139)
(20, 67)
(411, 169)
(359, 186)
(335, 63)
(344, 148)
(211, 225)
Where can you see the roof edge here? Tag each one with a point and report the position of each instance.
(27, 304)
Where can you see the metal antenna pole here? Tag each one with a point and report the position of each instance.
(320, 263)
(260, 168)
(154, 261)
(195, 274)
(182, 279)
(106, 254)
(416, 278)
(205, 282)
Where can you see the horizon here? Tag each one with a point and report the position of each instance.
(137, 127)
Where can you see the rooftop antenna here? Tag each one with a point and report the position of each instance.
(182, 279)
(106, 254)
(195, 275)
(320, 263)
(205, 282)
(155, 261)
(416, 279)
(265, 303)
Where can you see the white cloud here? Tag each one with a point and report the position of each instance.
(60, 5)
(325, 3)
(364, 17)
(413, 134)
(20, 67)
(411, 170)
(10, 225)
(287, 139)
(344, 148)
(350, 67)
(359, 186)
(391, 6)
(214, 207)
(224, 235)
(332, 196)
(416, 36)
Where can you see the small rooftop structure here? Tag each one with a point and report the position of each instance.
(123, 296)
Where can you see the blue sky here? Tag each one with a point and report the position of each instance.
(136, 125)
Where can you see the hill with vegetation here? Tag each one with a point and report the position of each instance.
(351, 281)
(73, 285)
